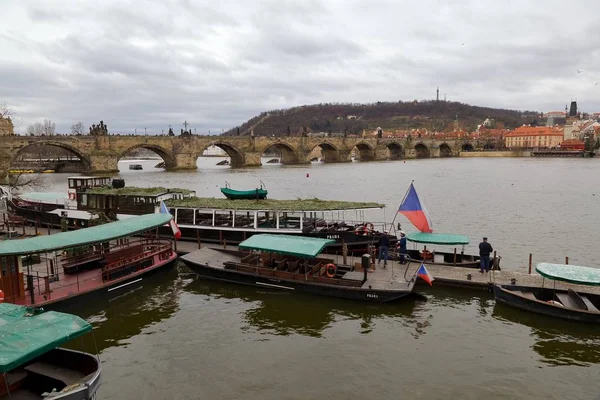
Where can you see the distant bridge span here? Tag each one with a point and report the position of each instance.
(100, 154)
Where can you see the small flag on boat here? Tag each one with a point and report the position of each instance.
(424, 274)
(415, 211)
(172, 223)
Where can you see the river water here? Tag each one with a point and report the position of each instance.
(180, 337)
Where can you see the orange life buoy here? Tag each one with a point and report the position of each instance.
(1, 296)
(426, 255)
(330, 269)
(71, 196)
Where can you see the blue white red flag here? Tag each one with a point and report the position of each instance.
(415, 211)
(424, 274)
(172, 223)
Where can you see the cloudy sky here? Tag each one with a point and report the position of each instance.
(216, 64)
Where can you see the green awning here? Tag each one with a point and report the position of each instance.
(26, 334)
(437, 238)
(299, 246)
(570, 273)
(82, 237)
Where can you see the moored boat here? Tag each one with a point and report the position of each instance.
(566, 304)
(256, 194)
(33, 366)
(52, 270)
(294, 264)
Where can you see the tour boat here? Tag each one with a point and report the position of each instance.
(569, 304)
(51, 270)
(136, 166)
(33, 366)
(294, 264)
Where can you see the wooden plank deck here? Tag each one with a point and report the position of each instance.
(211, 256)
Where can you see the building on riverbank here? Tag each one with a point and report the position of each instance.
(534, 137)
(6, 127)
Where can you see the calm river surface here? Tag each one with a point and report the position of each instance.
(180, 337)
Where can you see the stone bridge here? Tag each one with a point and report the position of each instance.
(100, 154)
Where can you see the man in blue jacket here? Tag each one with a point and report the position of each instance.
(485, 249)
(402, 248)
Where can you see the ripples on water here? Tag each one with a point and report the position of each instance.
(180, 337)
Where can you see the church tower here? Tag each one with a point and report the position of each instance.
(437, 94)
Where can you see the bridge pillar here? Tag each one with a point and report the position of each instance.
(381, 153)
(104, 162)
(251, 159)
(183, 161)
(342, 156)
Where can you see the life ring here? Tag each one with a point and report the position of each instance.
(331, 270)
(72, 196)
(426, 255)
(370, 227)
(362, 230)
(1, 296)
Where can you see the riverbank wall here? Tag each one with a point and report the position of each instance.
(507, 153)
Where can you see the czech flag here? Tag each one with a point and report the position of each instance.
(424, 274)
(415, 211)
(172, 223)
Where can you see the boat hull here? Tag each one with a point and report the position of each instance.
(508, 294)
(224, 275)
(231, 194)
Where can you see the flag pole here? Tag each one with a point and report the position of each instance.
(404, 198)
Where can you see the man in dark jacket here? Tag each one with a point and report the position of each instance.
(402, 248)
(384, 247)
(485, 249)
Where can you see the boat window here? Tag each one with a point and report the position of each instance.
(84, 199)
(185, 216)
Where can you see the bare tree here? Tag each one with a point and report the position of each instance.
(5, 111)
(49, 127)
(46, 128)
(21, 181)
(78, 129)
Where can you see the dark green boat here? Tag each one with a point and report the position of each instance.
(244, 194)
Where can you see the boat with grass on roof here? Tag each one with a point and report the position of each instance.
(54, 270)
(33, 366)
(295, 264)
(569, 303)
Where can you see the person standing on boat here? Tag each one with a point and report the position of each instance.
(402, 248)
(485, 249)
(384, 247)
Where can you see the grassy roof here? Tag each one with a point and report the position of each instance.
(133, 191)
(279, 205)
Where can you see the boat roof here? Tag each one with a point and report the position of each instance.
(299, 246)
(437, 238)
(570, 273)
(137, 191)
(89, 177)
(86, 236)
(298, 205)
(27, 333)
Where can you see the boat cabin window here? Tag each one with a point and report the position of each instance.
(8, 265)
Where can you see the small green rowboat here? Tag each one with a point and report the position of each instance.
(244, 194)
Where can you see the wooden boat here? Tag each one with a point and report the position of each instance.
(47, 271)
(32, 363)
(258, 193)
(293, 264)
(566, 304)
(136, 166)
(447, 258)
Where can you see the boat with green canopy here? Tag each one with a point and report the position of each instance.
(295, 264)
(256, 194)
(412, 207)
(567, 302)
(32, 363)
(54, 269)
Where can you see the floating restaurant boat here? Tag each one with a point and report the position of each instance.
(50, 270)
(414, 210)
(33, 366)
(255, 194)
(566, 304)
(293, 264)
(136, 166)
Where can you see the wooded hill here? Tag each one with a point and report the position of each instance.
(354, 118)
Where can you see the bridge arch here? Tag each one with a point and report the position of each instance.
(366, 151)
(237, 157)
(85, 160)
(422, 151)
(395, 150)
(329, 153)
(467, 147)
(288, 153)
(445, 150)
(167, 156)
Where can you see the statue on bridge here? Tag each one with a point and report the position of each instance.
(99, 130)
(171, 132)
(379, 133)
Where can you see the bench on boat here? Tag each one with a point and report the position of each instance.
(70, 264)
(61, 374)
(574, 300)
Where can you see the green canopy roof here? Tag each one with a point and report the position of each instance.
(26, 334)
(81, 237)
(437, 238)
(299, 246)
(570, 273)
